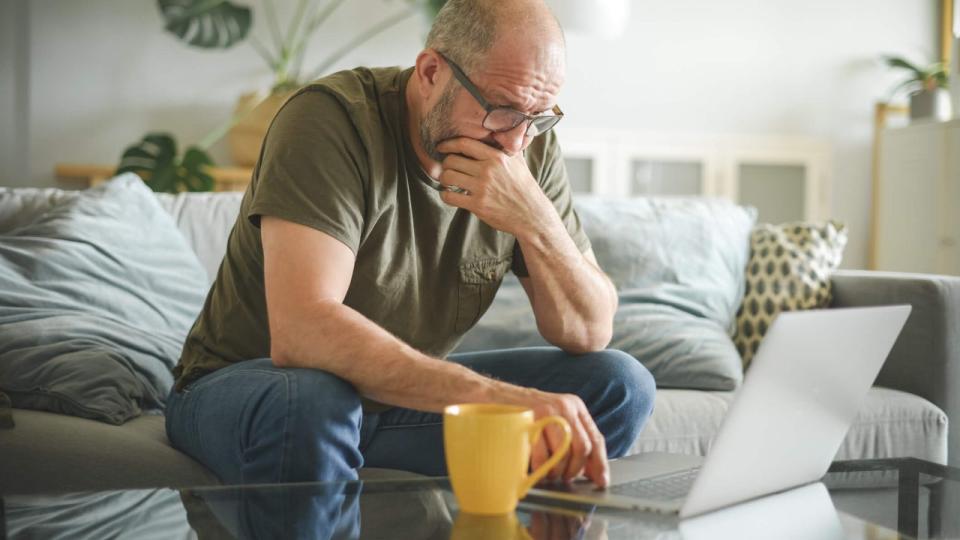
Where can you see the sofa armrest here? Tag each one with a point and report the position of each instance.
(925, 360)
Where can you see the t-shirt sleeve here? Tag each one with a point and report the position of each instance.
(545, 156)
(312, 169)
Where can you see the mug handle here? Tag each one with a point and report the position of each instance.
(536, 430)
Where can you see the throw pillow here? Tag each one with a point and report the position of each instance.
(678, 267)
(790, 267)
(99, 292)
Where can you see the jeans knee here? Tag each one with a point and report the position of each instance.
(627, 399)
(322, 399)
(317, 435)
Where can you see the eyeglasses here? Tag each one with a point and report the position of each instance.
(500, 119)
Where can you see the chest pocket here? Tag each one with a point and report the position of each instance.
(479, 281)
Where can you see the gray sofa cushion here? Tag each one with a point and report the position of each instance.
(890, 424)
(55, 453)
(50, 452)
(102, 290)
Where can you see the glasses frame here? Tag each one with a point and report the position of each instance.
(490, 108)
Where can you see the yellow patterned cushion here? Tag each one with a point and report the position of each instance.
(789, 268)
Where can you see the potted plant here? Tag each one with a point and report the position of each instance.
(928, 88)
(221, 24)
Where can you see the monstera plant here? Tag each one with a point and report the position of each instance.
(221, 24)
(155, 160)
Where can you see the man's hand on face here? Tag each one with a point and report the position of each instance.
(500, 189)
(588, 449)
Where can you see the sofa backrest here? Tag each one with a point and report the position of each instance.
(205, 220)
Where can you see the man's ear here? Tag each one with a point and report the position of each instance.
(427, 72)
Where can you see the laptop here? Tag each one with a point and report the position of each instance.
(805, 384)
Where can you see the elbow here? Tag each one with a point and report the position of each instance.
(292, 332)
(591, 339)
(279, 355)
(281, 347)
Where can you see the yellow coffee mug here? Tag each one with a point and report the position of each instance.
(488, 454)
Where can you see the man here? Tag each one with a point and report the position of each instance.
(385, 209)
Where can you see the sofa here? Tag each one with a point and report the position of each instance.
(905, 414)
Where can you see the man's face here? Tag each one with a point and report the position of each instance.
(522, 82)
(437, 125)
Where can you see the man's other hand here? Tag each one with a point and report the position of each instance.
(588, 450)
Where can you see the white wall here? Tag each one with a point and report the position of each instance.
(13, 91)
(101, 73)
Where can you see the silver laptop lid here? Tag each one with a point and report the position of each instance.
(799, 397)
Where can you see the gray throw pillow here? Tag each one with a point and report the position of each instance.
(98, 294)
(678, 265)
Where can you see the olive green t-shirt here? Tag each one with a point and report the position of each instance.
(338, 158)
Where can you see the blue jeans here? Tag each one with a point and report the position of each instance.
(252, 422)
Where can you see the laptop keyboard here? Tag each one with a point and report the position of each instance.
(665, 488)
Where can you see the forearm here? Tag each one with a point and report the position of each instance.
(335, 338)
(573, 300)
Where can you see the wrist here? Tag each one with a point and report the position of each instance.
(542, 225)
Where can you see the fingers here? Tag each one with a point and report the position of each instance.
(460, 200)
(465, 165)
(580, 449)
(456, 178)
(539, 453)
(588, 451)
(555, 436)
(468, 147)
(597, 467)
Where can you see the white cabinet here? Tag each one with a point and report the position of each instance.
(918, 199)
(785, 177)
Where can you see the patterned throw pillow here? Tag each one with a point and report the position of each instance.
(789, 269)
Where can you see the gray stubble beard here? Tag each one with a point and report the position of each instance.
(435, 127)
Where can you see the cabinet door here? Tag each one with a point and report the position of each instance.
(580, 172)
(666, 177)
(950, 201)
(777, 191)
(908, 200)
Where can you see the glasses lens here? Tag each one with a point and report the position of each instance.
(542, 124)
(503, 119)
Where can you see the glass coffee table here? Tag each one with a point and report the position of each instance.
(911, 497)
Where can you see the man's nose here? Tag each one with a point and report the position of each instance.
(512, 141)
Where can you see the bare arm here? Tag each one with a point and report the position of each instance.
(573, 300)
(306, 275)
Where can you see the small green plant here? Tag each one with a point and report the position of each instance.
(927, 78)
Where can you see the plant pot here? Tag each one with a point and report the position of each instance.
(930, 105)
(246, 136)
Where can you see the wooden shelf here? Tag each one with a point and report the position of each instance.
(224, 178)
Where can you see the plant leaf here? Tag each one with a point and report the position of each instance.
(898, 62)
(154, 159)
(194, 164)
(209, 24)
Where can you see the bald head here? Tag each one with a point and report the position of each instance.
(470, 30)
